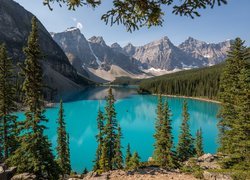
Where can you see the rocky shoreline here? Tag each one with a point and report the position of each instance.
(207, 165)
(190, 97)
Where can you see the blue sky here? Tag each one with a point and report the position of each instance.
(214, 25)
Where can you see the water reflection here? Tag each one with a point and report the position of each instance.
(98, 93)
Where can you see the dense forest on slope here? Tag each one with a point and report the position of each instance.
(203, 82)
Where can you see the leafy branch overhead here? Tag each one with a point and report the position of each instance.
(134, 14)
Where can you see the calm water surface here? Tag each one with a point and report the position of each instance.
(136, 115)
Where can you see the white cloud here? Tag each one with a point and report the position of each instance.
(79, 25)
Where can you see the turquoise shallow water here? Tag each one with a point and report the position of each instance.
(136, 115)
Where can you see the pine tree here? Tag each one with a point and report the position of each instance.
(34, 155)
(134, 161)
(99, 138)
(8, 124)
(63, 157)
(198, 143)
(104, 160)
(110, 128)
(167, 139)
(234, 95)
(185, 147)
(158, 125)
(68, 162)
(242, 148)
(85, 171)
(128, 157)
(108, 153)
(117, 160)
(163, 153)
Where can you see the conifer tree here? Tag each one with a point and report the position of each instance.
(34, 155)
(99, 138)
(242, 148)
(104, 160)
(118, 160)
(134, 161)
(185, 147)
(234, 95)
(8, 124)
(85, 171)
(163, 153)
(1, 155)
(198, 143)
(68, 154)
(167, 139)
(158, 125)
(128, 156)
(110, 128)
(63, 156)
(109, 138)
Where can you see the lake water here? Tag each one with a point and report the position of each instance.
(136, 115)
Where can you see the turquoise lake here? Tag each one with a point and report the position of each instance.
(136, 115)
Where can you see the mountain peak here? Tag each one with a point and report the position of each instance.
(191, 39)
(72, 29)
(115, 45)
(165, 38)
(129, 45)
(97, 40)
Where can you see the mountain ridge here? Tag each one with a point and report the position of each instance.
(151, 59)
(14, 34)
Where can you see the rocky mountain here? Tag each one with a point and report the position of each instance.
(163, 54)
(93, 58)
(96, 60)
(213, 53)
(15, 21)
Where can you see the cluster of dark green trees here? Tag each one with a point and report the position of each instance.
(108, 153)
(109, 150)
(202, 82)
(234, 124)
(24, 144)
(187, 147)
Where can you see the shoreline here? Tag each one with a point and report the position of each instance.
(190, 97)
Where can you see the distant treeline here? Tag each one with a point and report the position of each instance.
(203, 82)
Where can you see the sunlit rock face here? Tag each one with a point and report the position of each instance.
(96, 60)
(163, 54)
(93, 58)
(213, 52)
(14, 31)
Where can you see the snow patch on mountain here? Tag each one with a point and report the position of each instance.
(97, 59)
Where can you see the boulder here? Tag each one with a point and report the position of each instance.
(215, 176)
(207, 158)
(24, 176)
(150, 159)
(5, 172)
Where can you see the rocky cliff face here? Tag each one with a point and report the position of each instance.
(94, 57)
(14, 30)
(162, 54)
(212, 53)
